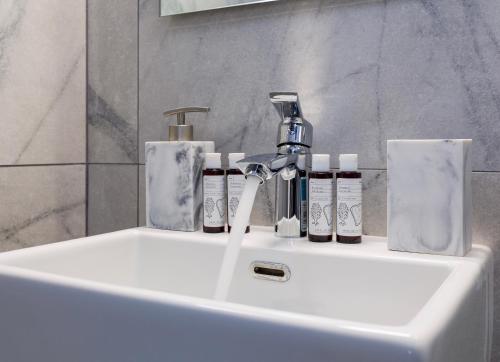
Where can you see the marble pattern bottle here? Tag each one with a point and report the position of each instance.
(349, 200)
(173, 176)
(235, 184)
(320, 199)
(214, 188)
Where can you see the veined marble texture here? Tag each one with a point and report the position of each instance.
(42, 81)
(429, 196)
(112, 83)
(174, 184)
(366, 71)
(41, 204)
(112, 198)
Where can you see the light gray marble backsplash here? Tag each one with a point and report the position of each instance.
(366, 71)
(42, 105)
(41, 204)
(42, 81)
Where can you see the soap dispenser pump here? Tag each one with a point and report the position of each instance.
(182, 131)
(174, 199)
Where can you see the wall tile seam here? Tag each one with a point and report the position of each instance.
(43, 165)
(87, 149)
(138, 99)
(114, 163)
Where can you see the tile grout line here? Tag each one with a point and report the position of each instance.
(138, 123)
(87, 168)
(143, 164)
(45, 164)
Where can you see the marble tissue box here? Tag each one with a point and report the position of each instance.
(174, 199)
(429, 201)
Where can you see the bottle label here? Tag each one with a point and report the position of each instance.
(303, 204)
(235, 187)
(349, 203)
(214, 209)
(320, 206)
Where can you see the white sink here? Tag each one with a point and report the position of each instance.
(146, 295)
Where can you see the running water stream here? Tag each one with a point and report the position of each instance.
(236, 237)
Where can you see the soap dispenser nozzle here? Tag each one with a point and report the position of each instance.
(182, 131)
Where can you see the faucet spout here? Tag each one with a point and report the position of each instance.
(266, 166)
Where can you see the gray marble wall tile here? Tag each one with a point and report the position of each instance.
(112, 198)
(112, 84)
(41, 204)
(366, 71)
(374, 202)
(42, 81)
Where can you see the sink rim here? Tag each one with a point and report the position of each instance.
(424, 326)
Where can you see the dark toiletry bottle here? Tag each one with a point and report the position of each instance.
(349, 200)
(235, 186)
(214, 205)
(320, 213)
(301, 166)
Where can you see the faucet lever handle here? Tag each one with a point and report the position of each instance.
(287, 104)
(293, 129)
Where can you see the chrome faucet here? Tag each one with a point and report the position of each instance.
(295, 136)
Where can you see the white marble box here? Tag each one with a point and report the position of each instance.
(429, 201)
(174, 199)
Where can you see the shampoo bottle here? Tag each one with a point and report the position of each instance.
(235, 186)
(320, 213)
(349, 200)
(214, 205)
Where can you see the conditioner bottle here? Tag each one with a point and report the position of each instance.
(320, 213)
(214, 205)
(235, 186)
(349, 201)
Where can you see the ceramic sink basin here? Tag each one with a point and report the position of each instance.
(146, 295)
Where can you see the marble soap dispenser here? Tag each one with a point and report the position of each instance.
(174, 199)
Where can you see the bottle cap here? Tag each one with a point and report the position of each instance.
(212, 160)
(301, 162)
(321, 162)
(348, 162)
(233, 158)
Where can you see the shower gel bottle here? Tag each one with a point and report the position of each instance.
(214, 204)
(349, 200)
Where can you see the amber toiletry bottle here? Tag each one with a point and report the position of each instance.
(349, 200)
(214, 205)
(235, 186)
(320, 213)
